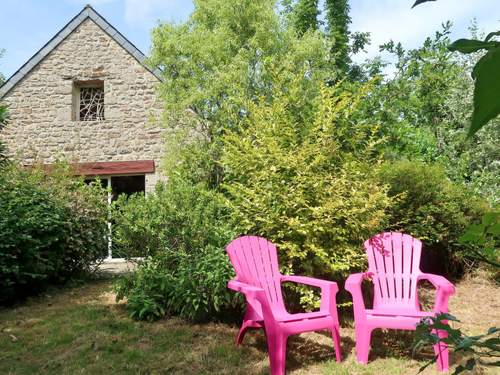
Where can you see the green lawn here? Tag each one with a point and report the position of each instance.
(82, 330)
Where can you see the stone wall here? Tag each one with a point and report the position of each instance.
(41, 104)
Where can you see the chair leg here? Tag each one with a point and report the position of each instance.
(363, 338)
(241, 334)
(276, 345)
(336, 342)
(441, 351)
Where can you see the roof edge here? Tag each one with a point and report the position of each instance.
(84, 14)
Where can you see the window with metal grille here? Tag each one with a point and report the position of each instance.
(88, 101)
(91, 103)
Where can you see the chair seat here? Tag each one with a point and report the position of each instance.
(397, 319)
(399, 313)
(287, 317)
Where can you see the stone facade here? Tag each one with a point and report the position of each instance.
(42, 125)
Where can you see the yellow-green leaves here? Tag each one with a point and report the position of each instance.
(306, 182)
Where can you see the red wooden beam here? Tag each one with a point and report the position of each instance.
(100, 168)
(114, 167)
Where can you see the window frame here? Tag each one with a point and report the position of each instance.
(76, 99)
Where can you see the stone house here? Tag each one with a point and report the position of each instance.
(87, 97)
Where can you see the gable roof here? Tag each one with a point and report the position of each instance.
(87, 13)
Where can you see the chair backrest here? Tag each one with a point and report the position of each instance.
(256, 263)
(394, 261)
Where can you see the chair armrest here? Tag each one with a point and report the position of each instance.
(310, 281)
(439, 282)
(246, 289)
(329, 291)
(254, 295)
(444, 289)
(353, 286)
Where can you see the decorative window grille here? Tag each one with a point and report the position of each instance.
(91, 106)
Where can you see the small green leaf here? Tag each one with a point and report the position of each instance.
(494, 229)
(487, 86)
(491, 35)
(470, 45)
(489, 218)
(469, 365)
(493, 330)
(426, 365)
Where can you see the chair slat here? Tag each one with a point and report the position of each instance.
(397, 250)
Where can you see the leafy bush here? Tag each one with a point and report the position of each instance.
(182, 230)
(429, 206)
(426, 110)
(307, 183)
(51, 228)
(482, 241)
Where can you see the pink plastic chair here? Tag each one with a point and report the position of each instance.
(258, 278)
(393, 267)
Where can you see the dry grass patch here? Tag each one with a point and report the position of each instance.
(83, 330)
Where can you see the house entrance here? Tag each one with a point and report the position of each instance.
(117, 186)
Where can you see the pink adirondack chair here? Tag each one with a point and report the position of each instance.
(393, 267)
(258, 278)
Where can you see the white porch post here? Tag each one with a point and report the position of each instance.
(110, 195)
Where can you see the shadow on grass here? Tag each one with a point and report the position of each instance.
(301, 351)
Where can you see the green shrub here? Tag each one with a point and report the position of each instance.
(307, 182)
(182, 230)
(429, 206)
(51, 228)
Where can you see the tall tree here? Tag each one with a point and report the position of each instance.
(338, 20)
(305, 15)
(225, 54)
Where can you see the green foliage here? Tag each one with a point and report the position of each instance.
(178, 215)
(249, 117)
(338, 20)
(426, 107)
(483, 239)
(307, 183)
(414, 104)
(226, 54)
(482, 350)
(305, 15)
(481, 242)
(486, 76)
(52, 228)
(428, 205)
(182, 230)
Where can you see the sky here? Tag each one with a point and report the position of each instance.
(26, 25)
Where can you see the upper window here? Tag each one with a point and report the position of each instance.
(88, 101)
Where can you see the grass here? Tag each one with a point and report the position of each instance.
(83, 330)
